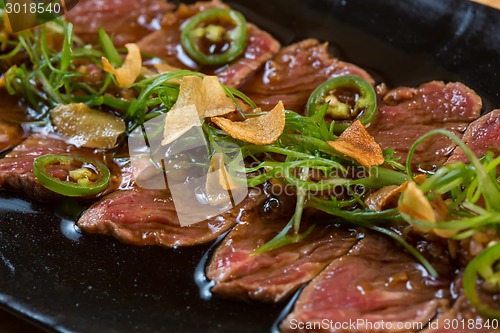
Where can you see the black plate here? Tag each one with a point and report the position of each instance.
(64, 281)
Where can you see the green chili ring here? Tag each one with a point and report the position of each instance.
(366, 103)
(237, 36)
(66, 187)
(482, 265)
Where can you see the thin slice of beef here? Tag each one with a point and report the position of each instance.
(166, 44)
(481, 136)
(372, 289)
(293, 74)
(261, 47)
(148, 217)
(408, 113)
(273, 276)
(127, 21)
(16, 168)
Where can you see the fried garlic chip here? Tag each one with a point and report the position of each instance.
(415, 204)
(388, 196)
(219, 182)
(86, 127)
(205, 95)
(179, 121)
(226, 180)
(355, 142)
(131, 68)
(261, 130)
(4, 37)
(6, 23)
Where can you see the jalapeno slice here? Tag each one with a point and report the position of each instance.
(365, 105)
(215, 36)
(77, 176)
(484, 265)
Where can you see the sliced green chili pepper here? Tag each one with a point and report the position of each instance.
(85, 176)
(365, 107)
(215, 36)
(486, 266)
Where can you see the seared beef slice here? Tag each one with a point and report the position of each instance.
(272, 276)
(126, 21)
(375, 282)
(148, 217)
(293, 74)
(406, 114)
(16, 168)
(165, 44)
(481, 136)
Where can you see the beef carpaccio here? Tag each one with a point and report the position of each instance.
(408, 113)
(309, 63)
(126, 20)
(273, 276)
(165, 44)
(322, 246)
(481, 136)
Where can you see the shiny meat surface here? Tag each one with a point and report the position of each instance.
(481, 136)
(273, 276)
(148, 217)
(126, 21)
(16, 168)
(375, 282)
(166, 44)
(408, 113)
(293, 74)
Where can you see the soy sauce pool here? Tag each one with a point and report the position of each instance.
(69, 282)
